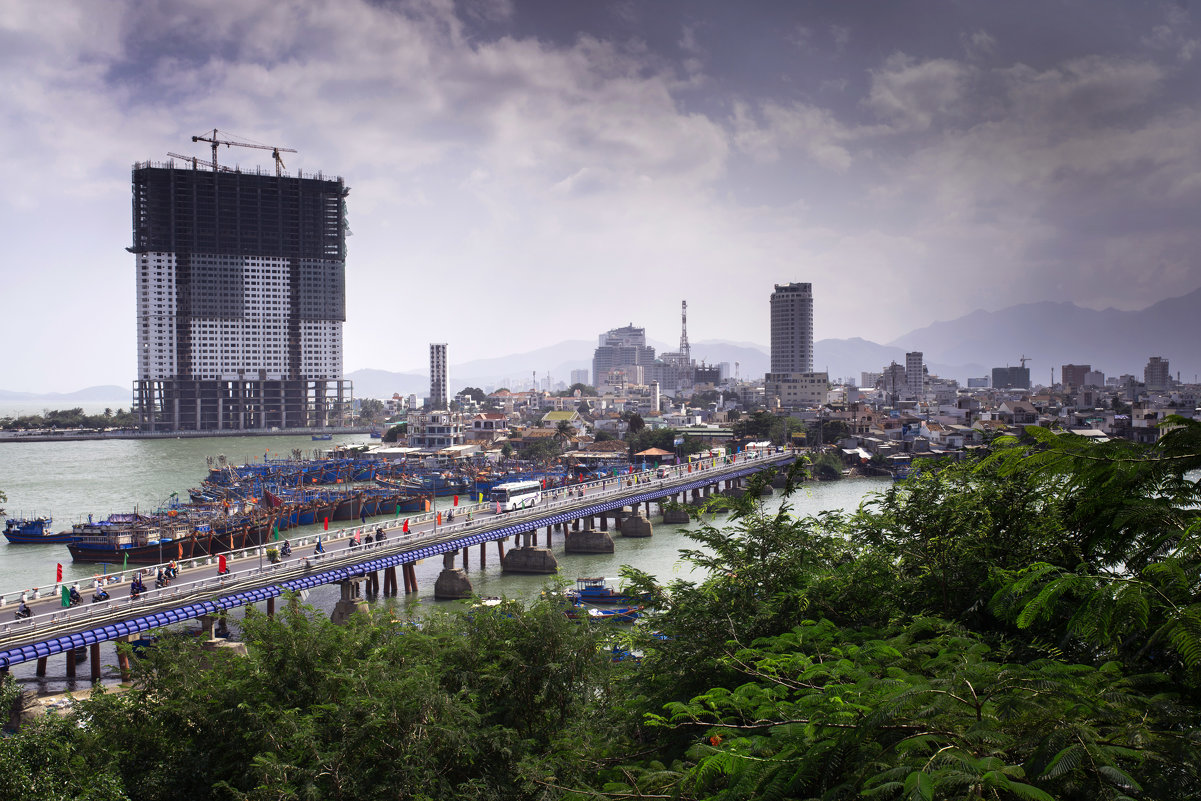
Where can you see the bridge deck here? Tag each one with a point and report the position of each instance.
(200, 592)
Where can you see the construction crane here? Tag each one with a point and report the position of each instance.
(1025, 359)
(214, 141)
(194, 161)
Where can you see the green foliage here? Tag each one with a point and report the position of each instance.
(474, 393)
(372, 409)
(73, 419)
(827, 466)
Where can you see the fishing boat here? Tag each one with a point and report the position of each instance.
(596, 591)
(148, 540)
(33, 530)
(623, 614)
(322, 437)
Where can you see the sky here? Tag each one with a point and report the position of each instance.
(524, 172)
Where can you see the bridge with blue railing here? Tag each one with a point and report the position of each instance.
(203, 593)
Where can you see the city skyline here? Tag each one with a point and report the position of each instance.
(918, 163)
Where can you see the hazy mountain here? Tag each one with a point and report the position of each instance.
(1054, 334)
(100, 394)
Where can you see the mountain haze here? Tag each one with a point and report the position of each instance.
(1054, 334)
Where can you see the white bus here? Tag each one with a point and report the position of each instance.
(516, 495)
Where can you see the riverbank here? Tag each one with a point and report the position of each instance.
(20, 436)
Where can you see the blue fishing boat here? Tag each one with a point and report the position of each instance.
(322, 437)
(595, 591)
(33, 530)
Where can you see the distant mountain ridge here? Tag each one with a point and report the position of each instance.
(107, 392)
(1051, 335)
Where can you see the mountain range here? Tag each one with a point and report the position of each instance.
(1047, 334)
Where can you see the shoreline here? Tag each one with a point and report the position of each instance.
(10, 436)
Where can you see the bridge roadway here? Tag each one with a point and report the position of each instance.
(199, 591)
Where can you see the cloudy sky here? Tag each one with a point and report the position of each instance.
(528, 171)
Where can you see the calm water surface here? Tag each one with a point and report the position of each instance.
(71, 480)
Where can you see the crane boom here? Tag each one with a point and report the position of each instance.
(214, 141)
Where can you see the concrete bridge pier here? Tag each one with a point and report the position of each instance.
(372, 584)
(390, 581)
(351, 601)
(528, 558)
(95, 657)
(636, 525)
(589, 540)
(41, 668)
(452, 583)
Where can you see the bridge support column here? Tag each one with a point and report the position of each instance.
(95, 657)
(410, 577)
(390, 581)
(372, 584)
(528, 558)
(500, 550)
(452, 583)
(41, 669)
(270, 607)
(70, 654)
(604, 526)
(350, 603)
(588, 541)
(466, 555)
(575, 524)
(123, 660)
(636, 526)
(483, 554)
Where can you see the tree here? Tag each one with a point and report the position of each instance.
(475, 393)
(635, 423)
(564, 431)
(371, 409)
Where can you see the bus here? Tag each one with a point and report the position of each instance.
(516, 495)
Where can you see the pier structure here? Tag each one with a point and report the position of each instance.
(77, 632)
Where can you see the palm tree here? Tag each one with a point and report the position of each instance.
(564, 430)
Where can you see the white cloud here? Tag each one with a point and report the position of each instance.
(911, 94)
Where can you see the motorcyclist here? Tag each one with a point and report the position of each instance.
(99, 595)
(285, 549)
(136, 587)
(23, 611)
(73, 596)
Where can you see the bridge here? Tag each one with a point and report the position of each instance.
(202, 593)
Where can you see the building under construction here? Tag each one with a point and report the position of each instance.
(241, 288)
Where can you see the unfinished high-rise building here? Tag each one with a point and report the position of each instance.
(241, 296)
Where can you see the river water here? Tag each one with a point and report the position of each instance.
(71, 480)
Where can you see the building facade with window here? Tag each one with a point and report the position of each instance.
(241, 298)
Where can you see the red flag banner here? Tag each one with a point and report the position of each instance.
(456, 500)
(59, 575)
(326, 524)
(221, 563)
(406, 527)
(439, 518)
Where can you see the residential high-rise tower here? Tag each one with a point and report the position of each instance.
(438, 397)
(241, 298)
(792, 328)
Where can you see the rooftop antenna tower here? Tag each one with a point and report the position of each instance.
(684, 350)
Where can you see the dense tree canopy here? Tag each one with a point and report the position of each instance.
(1022, 626)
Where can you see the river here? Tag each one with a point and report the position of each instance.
(71, 480)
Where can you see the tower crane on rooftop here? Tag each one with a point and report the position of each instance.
(214, 141)
(194, 161)
(1025, 359)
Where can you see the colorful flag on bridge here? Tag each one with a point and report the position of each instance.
(66, 596)
(456, 500)
(406, 526)
(59, 575)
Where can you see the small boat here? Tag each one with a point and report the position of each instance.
(32, 530)
(623, 614)
(595, 591)
(322, 437)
